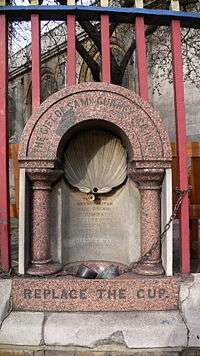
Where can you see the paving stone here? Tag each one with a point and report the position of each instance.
(5, 290)
(21, 328)
(111, 353)
(190, 353)
(133, 329)
(190, 305)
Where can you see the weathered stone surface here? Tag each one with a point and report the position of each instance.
(133, 329)
(107, 228)
(190, 305)
(5, 292)
(22, 329)
(75, 294)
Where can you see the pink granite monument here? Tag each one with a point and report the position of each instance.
(93, 159)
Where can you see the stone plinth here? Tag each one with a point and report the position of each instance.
(127, 293)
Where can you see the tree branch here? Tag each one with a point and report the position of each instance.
(91, 63)
(94, 34)
(149, 31)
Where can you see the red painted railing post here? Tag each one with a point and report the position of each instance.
(36, 59)
(141, 58)
(105, 45)
(71, 48)
(4, 149)
(181, 142)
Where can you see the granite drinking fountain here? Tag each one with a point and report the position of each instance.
(95, 170)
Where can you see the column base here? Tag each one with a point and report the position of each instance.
(44, 269)
(149, 268)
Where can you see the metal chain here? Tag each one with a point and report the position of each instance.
(181, 195)
(6, 274)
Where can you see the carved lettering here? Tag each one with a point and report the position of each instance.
(162, 293)
(151, 293)
(66, 115)
(75, 294)
(83, 294)
(122, 293)
(100, 293)
(140, 293)
(54, 295)
(38, 293)
(28, 293)
(113, 294)
(47, 293)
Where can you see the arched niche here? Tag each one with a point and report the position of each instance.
(127, 117)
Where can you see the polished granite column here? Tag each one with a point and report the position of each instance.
(41, 261)
(149, 182)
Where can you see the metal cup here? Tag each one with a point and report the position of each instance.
(86, 273)
(111, 271)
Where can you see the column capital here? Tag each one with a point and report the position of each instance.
(147, 178)
(44, 176)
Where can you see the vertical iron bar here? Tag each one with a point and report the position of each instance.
(181, 142)
(71, 48)
(4, 149)
(105, 45)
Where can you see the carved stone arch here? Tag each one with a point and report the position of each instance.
(147, 138)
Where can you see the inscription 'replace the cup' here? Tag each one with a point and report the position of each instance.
(73, 294)
(100, 293)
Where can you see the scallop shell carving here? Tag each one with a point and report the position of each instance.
(95, 162)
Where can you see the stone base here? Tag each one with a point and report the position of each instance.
(125, 293)
(116, 333)
(44, 269)
(149, 269)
